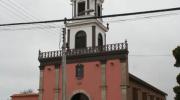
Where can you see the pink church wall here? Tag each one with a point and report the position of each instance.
(90, 85)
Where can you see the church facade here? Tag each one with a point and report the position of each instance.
(94, 70)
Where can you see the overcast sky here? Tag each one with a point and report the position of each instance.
(151, 41)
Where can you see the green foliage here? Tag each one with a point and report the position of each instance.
(177, 97)
(177, 89)
(178, 79)
(176, 54)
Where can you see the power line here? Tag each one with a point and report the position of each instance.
(12, 12)
(140, 18)
(111, 21)
(105, 16)
(24, 10)
(16, 8)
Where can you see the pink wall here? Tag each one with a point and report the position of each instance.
(90, 85)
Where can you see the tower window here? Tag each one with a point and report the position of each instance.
(99, 10)
(80, 40)
(79, 71)
(81, 8)
(100, 40)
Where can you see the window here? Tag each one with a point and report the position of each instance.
(100, 40)
(79, 71)
(144, 96)
(80, 40)
(99, 10)
(81, 8)
(135, 93)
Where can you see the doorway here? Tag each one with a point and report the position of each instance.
(79, 96)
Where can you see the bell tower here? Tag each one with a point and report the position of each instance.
(89, 32)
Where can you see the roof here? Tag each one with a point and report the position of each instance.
(140, 81)
(25, 94)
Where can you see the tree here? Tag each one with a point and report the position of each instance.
(176, 54)
(177, 88)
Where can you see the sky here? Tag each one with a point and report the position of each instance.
(151, 40)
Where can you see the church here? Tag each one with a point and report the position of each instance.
(94, 70)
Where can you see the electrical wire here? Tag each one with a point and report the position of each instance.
(20, 10)
(142, 18)
(23, 18)
(24, 10)
(96, 17)
(110, 21)
(12, 12)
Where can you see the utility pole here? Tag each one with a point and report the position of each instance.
(64, 62)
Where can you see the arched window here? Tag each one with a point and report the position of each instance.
(100, 40)
(80, 40)
(79, 71)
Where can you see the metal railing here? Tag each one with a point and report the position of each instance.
(83, 51)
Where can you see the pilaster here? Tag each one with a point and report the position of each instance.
(56, 82)
(103, 80)
(139, 94)
(124, 79)
(41, 82)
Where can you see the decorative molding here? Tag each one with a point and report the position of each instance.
(84, 58)
(107, 52)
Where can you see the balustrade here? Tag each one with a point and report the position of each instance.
(83, 51)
